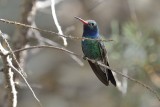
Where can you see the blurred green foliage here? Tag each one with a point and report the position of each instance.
(136, 48)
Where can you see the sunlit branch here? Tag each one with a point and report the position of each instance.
(56, 22)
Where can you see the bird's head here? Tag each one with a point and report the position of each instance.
(90, 28)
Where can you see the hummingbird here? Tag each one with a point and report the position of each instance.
(96, 50)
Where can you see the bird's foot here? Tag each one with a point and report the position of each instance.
(84, 57)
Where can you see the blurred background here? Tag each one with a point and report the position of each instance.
(56, 77)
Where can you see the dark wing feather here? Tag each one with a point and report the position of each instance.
(104, 58)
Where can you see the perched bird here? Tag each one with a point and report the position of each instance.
(96, 50)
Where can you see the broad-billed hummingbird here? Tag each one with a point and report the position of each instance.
(96, 50)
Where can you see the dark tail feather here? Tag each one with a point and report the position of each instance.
(111, 78)
(99, 73)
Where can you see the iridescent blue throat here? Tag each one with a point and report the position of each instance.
(89, 32)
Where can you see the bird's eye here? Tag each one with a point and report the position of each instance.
(91, 24)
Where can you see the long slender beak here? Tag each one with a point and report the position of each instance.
(80, 19)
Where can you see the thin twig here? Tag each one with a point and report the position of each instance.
(11, 65)
(51, 32)
(12, 93)
(45, 46)
(19, 72)
(56, 22)
(134, 80)
(42, 40)
(14, 57)
(97, 62)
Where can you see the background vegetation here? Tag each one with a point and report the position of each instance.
(57, 79)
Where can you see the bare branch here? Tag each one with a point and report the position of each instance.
(45, 46)
(12, 83)
(20, 38)
(97, 62)
(11, 65)
(14, 57)
(51, 32)
(56, 22)
(9, 62)
(12, 93)
(43, 40)
(132, 79)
